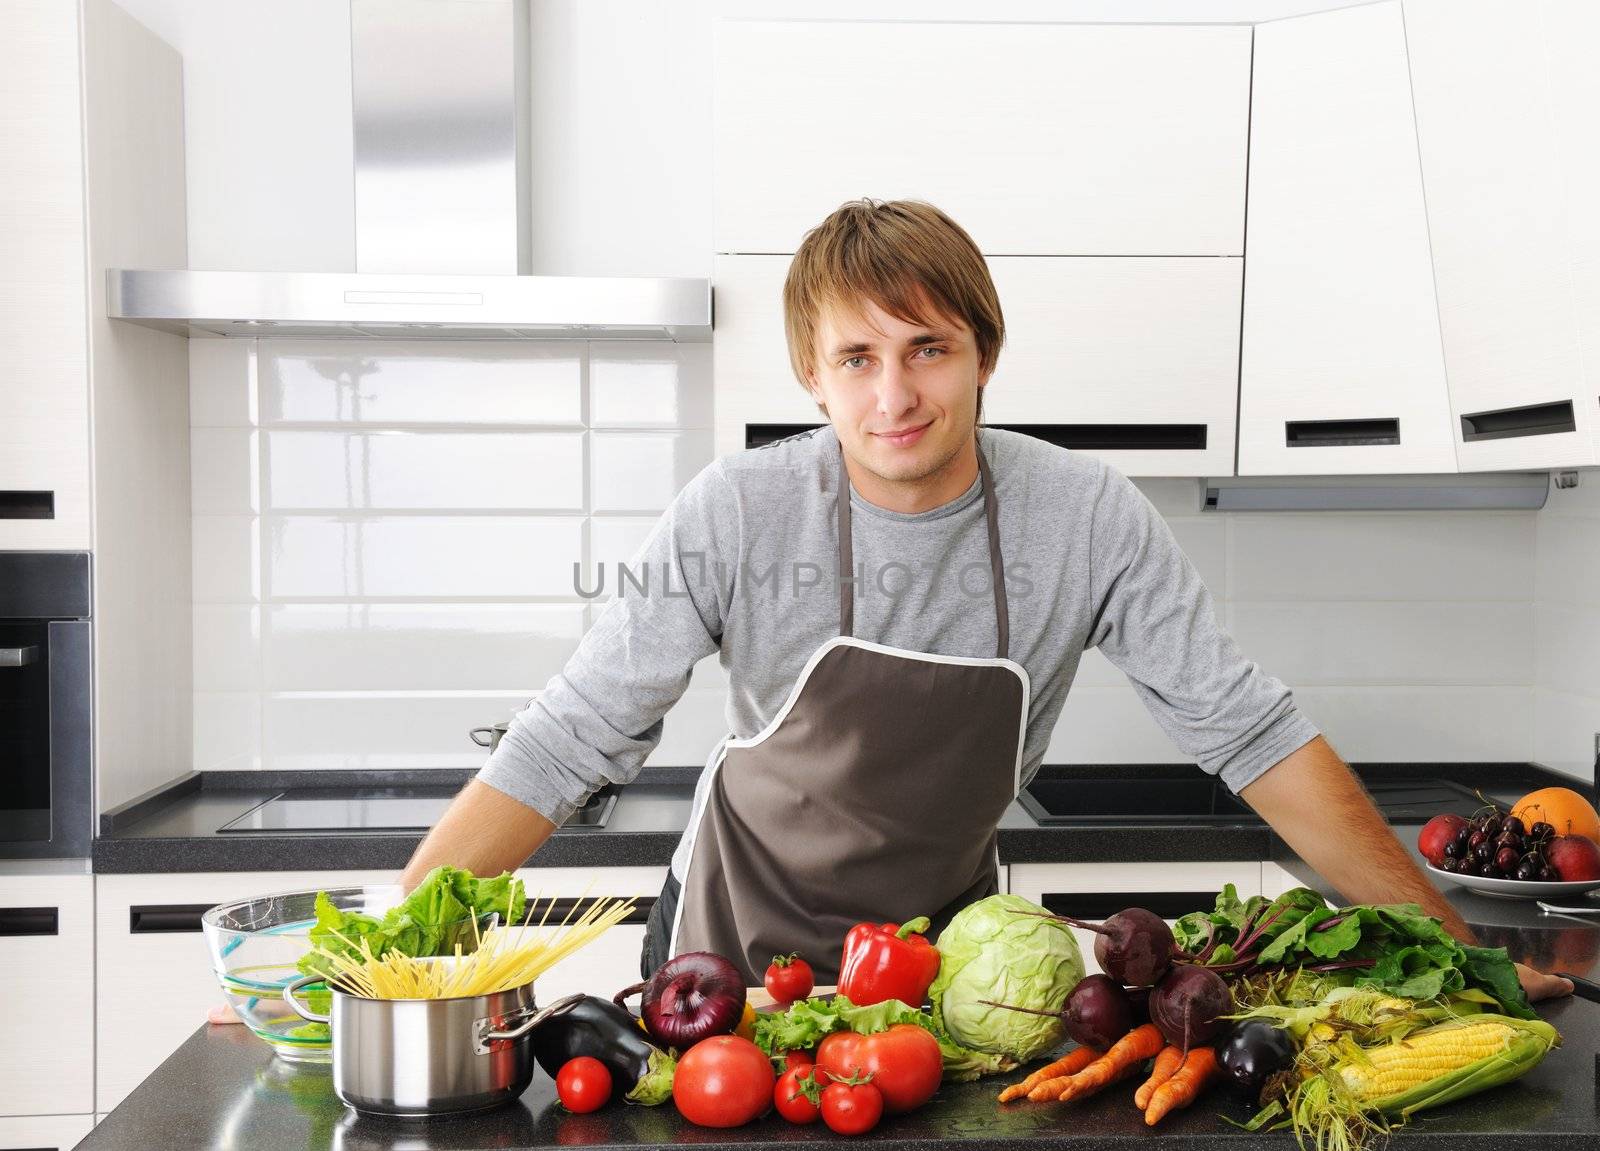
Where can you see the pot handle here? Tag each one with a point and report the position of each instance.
(301, 1009)
(487, 734)
(484, 1031)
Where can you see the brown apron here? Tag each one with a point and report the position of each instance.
(872, 796)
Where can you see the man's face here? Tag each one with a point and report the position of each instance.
(901, 396)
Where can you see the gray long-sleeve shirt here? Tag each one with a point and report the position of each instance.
(745, 560)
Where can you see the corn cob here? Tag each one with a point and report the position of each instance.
(1445, 1062)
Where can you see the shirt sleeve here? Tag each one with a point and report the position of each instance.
(1154, 619)
(597, 721)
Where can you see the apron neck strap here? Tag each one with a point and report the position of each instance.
(997, 571)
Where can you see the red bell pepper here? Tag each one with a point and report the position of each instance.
(887, 961)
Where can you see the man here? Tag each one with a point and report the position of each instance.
(883, 720)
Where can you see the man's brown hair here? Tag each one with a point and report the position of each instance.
(903, 255)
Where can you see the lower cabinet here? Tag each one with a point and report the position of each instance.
(47, 969)
(1094, 891)
(44, 1132)
(153, 978)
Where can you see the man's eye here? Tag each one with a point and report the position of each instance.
(936, 352)
(855, 361)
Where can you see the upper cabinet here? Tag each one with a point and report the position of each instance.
(1341, 366)
(1039, 139)
(44, 393)
(1132, 360)
(1505, 113)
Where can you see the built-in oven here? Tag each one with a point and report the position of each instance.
(46, 705)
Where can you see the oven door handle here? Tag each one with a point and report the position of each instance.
(18, 656)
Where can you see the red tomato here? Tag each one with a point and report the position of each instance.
(789, 978)
(724, 1081)
(851, 1108)
(798, 1058)
(904, 1063)
(796, 1095)
(583, 1084)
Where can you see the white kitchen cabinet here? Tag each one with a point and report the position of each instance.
(154, 983)
(44, 1132)
(1141, 351)
(47, 970)
(44, 391)
(1494, 180)
(1092, 891)
(1038, 139)
(1341, 370)
(153, 979)
(1275, 880)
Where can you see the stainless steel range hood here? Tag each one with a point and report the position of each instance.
(442, 173)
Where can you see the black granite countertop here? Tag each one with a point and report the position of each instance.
(174, 828)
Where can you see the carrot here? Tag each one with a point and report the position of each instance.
(1170, 1059)
(1199, 1069)
(1071, 1063)
(1125, 1055)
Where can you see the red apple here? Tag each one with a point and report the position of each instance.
(1437, 834)
(1574, 857)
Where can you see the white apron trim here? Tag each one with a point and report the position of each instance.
(692, 832)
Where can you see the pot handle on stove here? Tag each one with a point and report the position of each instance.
(301, 1009)
(484, 1030)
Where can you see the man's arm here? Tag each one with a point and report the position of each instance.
(484, 831)
(1314, 801)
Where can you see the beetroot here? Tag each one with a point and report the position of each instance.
(1098, 1012)
(1185, 1005)
(1133, 946)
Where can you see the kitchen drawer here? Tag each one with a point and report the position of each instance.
(44, 1132)
(1135, 350)
(1037, 138)
(1093, 891)
(47, 969)
(609, 963)
(153, 979)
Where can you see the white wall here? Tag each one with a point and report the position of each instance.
(384, 535)
(1567, 611)
(621, 120)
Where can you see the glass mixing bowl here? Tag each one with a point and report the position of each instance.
(255, 945)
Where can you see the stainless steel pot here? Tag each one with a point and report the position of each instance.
(419, 1057)
(488, 737)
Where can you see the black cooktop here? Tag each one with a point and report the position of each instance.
(374, 811)
(1088, 799)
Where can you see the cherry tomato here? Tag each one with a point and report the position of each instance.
(797, 1095)
(583, 1085)
(850, 1107)
(789, 978)
(904, 1062)
(724, 1081)
(799, 1057)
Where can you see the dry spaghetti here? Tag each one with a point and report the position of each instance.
(504, 958)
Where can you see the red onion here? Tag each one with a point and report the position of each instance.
(690, 997)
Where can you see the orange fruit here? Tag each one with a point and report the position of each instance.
(1562, 808)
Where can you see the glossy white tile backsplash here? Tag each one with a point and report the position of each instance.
(385, 534)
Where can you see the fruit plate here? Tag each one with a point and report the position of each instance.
(1518, 888)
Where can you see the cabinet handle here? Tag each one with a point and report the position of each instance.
(1080, 437)
(1104, 904)
(18, 656)
(1511, 423)
(1340, 433)
(564, 907)
(27, 505)
(165, 918)
(30, 921)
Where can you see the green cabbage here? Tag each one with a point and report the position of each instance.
(999, 949)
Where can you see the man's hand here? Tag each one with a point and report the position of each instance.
(1539, 986)
(223, 1013)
